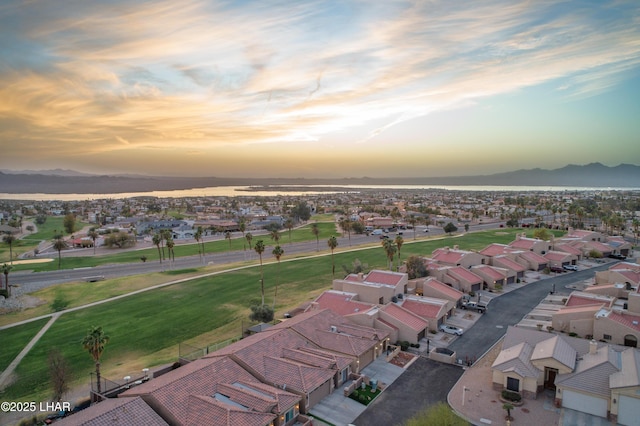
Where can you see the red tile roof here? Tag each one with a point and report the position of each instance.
(218, 413)
(341, 303)
(507, 262)
(490, 272)
(574, 300)
(425, 310)
(631, 321)
(116, 412)
(534, 257)
(557, 256)
(384, 277)
(406, 317)
(443, 288)
(494, 250)
(568, 248)
(464, 274)
(524, 243)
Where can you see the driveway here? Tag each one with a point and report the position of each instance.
(424, 383)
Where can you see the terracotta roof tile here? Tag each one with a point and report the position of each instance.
(116, 412)
(406, 317)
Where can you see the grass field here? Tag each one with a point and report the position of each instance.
(146, 328)
(20, 336)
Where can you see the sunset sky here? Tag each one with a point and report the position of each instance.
(318, 88)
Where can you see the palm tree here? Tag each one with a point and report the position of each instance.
(249, 237)
(259, 248)
(227, 236)
(198, 237)
(94, 342)
(390, 250)
(275, 236)
(289, 225)
(277, 253)
(157, 239)
(93, 234)
(165, 234)
(413, 221)
(170, 245)
(9, 239)
(316, 231)
(399, 241)
(332, 242)
(5, 270)
(59, 244)
(345, 224)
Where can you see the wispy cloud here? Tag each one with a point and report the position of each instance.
(126, 75)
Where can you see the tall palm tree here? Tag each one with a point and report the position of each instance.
(316, 231)
(9, 239)
(227, 236)
(59, 244)
(277, 253)
(399, 241)
(413, 221)
(165, 234)
(242, 226)
(259, 248)
(5, 270)
(93, 234)
(289, 225)
(94, 342)
(170, 245)
(198, 236)
(249, 237)
(157, 239)
(332, 242)
(345, 224)
(390, 250)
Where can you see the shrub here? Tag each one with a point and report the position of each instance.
(511, 395)
(5, 293)
(573, 334)
(404, 345)
(59, 303)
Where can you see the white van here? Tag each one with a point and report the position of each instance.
(377, 232)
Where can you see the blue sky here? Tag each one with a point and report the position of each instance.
(318, 88)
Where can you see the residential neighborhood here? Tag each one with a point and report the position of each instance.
(367, 328)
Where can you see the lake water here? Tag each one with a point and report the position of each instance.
(291, 190)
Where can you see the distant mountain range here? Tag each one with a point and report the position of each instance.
(71, 182)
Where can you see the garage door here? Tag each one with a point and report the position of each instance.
(628, 410)
(584, 403)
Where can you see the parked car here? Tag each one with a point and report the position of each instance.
(617, 256)
(451, 329)
(556, 269)
(570, 267)
(384, 237)
(474, 306)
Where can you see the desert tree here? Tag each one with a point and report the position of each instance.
(94, 342)
(275, 236)
(60, 374)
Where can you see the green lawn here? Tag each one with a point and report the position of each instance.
(15, 340)
(146, 328)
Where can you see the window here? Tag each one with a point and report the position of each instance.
(606, 336)
(289, 415)
(513, 384)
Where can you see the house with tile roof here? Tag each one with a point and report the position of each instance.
(588, 247)
(435, 311)
(620, 245)
(342, 303)
(587, 376)
(617, 326)
(531, 260)
(530, 244)
(568, 248)
(456, 257)
(559, 259)
(458, 277)
(516, 270)
(217, 389)
(411, 327)
(377, 287)
(433, 288)
(492, 276)
(133, 411)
